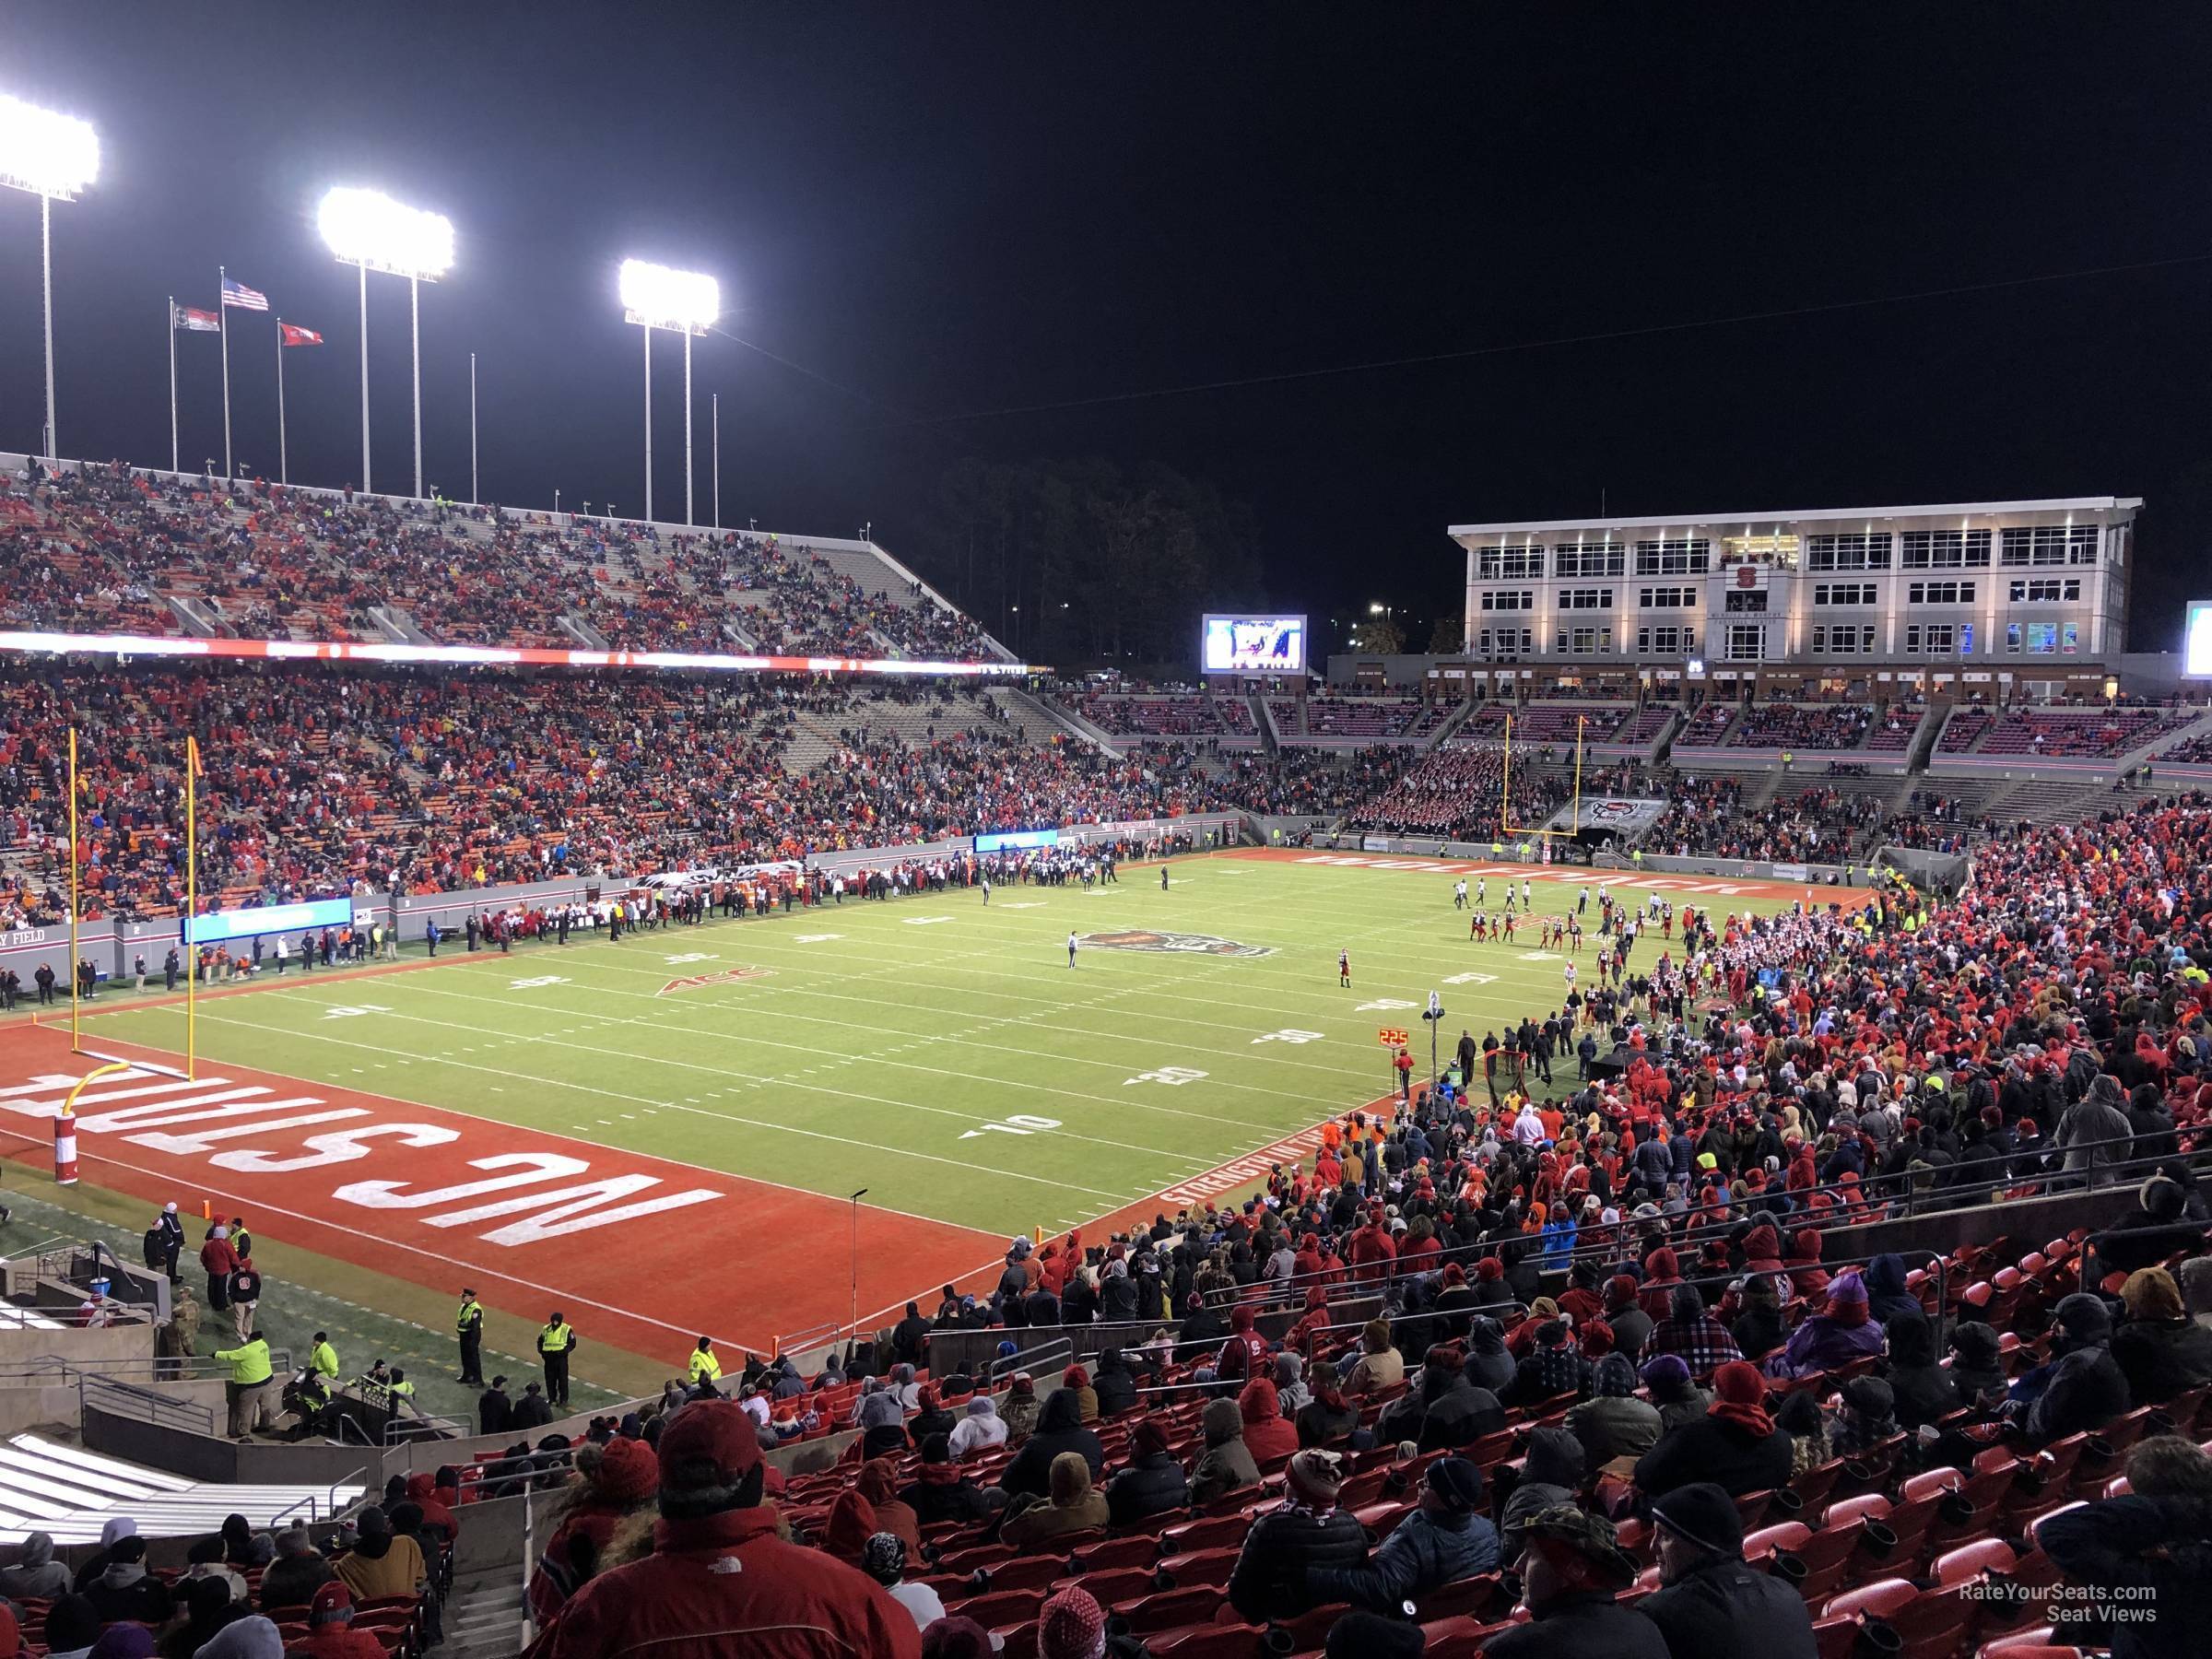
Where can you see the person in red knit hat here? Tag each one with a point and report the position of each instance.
(330, 1632)
(720, 1580)
(616, 1480)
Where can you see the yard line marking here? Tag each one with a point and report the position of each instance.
(992, 1170)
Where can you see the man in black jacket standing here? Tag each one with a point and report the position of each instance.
(1712, 1603)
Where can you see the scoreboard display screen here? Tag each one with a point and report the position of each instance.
(1254, 645)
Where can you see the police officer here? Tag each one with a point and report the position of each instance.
(468, 1325)
(555, 1343)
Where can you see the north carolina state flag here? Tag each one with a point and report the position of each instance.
(296, 335)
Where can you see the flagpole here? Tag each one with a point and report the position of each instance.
(714, 407)
(414, 313)
(284, 463)
(688, 517)
(172, 382)
(222, 318)
(648, 332)
(472, 428)
(191, 906)
(73, 906)
(364, 271)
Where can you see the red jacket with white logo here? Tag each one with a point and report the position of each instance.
(726, 1585)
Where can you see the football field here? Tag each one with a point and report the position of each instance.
(626, 1126)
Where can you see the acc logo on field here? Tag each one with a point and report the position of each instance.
(720, 977)
(1188, 944)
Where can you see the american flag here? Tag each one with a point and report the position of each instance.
(244, 297)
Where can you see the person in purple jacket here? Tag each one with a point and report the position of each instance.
(1831, 1339)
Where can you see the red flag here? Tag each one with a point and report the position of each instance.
(296, 335)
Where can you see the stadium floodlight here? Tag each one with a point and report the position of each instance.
(368, 229)
(52, 155)
(653, 296)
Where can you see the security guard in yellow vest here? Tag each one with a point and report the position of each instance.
(250, 1373)
(555, 1343)
(403, 1392)
(468, 1325)
(706, 1370)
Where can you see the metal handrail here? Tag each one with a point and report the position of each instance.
(160, 1410)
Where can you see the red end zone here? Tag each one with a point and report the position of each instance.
(1704, 889)
(642, 1253)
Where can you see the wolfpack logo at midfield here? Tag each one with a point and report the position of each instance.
(1188, 944)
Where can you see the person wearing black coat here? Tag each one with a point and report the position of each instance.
(2148, 1554)
(1078, 1301)
(2082, 1388)
(1117, 1294)
(1734, 1445)
(1151, 1483)
(1269, 1581)
(1059, 1428)
(1712, 1604)
(1923, 1391)
(2159, 1349)
(940, 1492)
(2160, 1227)
(1114, 1384)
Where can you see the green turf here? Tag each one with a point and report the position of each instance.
(882, 1042)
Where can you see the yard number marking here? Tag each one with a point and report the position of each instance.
(1470, 979)
(532, 984)
(692, 956)
(1293, 1035)
(354, 1011)
(1174, 1076)
(1018, 1124)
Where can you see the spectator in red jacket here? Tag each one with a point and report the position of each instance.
(330, 1632)
(720, 1580)
(1268, 1434)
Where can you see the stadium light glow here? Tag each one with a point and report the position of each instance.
(52, 155)
(44, 151)
(655, 296)
(370, 231)
(368, 228)
(658, 297)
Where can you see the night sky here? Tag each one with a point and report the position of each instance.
(941, 217)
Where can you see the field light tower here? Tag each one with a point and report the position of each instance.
(656, 297)
(51, 156)
(368, 229)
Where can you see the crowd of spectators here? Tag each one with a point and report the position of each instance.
(1311, 780)
(103, 547)
(1815, 825)
(1455, 794)
(1587, 1327)
(1785, 725)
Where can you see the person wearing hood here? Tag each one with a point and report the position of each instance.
(1290, 1390)
(207, 1606)
(1114, 1386)
(1866, 1417)
(930, 1415)
(1445, 1539)
(1243, 1355)
(2082, 1388)
(381, 1562)
(1631, 1326)
(298, 1571)
(1977, 1365)
(1924, 1390)
(1887, 1298)
(1735, 1444)
(1074, 1505)
(1759, 1329)
(1843, 1333)
(124, 1590)
(2196, 1276)
(73, 1626)
(2094, 1132)
(878, 1483)
(203, 1559)
(1670, 1388)
(719, 1565)
(1226, 1465)
(2148, 1552)
(849, 1525)
(939, 1492)
(1059, 1428)
(615, 1481)
(1329, 1419)
(35, 1573)
(1712, 1604)
(1268, 1435)
(2159, 1349)
(1077, 1380)
(1808, 1277)
(1150, 1483)
(979, 1431)
(1286, 1549)
(1552, 1475)
(254, 1637)
(1613, 1422)
(1487, 1364)
(112, 1531)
